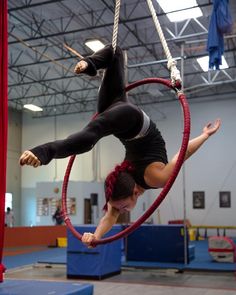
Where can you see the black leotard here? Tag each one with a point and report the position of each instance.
(144, 151)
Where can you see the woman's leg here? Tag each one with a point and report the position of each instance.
(112, 87)
(111, 91)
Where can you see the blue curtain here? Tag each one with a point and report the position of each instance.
(220, 23)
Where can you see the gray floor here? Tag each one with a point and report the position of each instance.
(139, 281)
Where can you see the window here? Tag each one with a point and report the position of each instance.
(8, 201)
(190, 9)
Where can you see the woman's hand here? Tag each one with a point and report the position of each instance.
(28, 158)
(88, 239)
(210, 128)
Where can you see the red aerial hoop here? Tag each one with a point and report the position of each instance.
(167, 187)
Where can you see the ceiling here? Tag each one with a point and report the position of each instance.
(41, 68)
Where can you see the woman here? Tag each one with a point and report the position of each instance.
(145, 166)
(57, 217)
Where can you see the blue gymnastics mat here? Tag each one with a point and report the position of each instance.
(23, 287)
(52, 255)
(202, 262)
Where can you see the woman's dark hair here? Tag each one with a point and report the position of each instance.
(119, 183)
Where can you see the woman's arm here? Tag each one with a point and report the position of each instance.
(159, 177)
(105, 224)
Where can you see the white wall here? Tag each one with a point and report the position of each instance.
(13, 169)
(210, 170)
(79, 190)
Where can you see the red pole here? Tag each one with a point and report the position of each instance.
(3, 121)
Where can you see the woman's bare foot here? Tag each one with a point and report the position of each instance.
(80, 66)
(28, 158)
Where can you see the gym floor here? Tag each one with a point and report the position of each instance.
(138, 281)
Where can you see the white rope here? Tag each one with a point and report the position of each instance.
(116, 25)
(171, 63)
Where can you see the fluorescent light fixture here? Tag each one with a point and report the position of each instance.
(33, 108)
(204, 63)
(169, 6)
(94, 45)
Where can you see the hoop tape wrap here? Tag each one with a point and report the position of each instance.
(167, 187)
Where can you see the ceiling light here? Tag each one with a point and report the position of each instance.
(33, 108)
(94, 45)
(204, 63)
(169, 6)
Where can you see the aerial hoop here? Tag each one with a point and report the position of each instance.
(167, 187)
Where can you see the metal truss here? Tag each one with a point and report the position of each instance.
(41, 68)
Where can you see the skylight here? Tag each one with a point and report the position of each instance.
(204, 63)
(94, 45)
(169, 6)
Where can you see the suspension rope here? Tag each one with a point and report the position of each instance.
(171, 63)
(116, 25)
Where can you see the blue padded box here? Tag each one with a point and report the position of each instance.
(25, 287)
(96, 263)
(156, 243)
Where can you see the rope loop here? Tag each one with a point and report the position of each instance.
(171, 63)
(174, 72)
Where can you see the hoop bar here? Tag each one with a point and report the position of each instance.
(64, 197)
(167, 187)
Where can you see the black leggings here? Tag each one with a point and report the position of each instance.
(112, 88)
(120, 119)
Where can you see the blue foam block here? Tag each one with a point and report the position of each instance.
(24, 287)
(156, 243)
(191, 251)
(98, 262)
